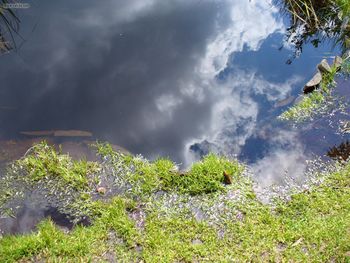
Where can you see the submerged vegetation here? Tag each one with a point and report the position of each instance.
(174, 216)
(43, 161)
(49, 178)
(308, 106)
(317, 102)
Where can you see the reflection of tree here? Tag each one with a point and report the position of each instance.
(340, 152)
(9, 25)
(312, 21)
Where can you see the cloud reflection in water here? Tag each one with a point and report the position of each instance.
(153, 76)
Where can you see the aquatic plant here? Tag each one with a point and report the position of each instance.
(53, 178)
(42, 161)
(318, 102)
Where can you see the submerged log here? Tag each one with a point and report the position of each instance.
(284, 102)
(37, 133)
(58, 133)
(72, 133)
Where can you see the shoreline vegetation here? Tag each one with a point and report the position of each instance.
(142, 211)
(313, 21)
(126, 208)
(321, 98)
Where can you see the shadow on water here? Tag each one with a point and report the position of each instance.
(29, 217)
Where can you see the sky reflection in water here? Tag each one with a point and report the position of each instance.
(170, 78)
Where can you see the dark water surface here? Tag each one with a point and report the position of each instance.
(171, 78)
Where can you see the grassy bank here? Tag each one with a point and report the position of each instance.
(155, 217)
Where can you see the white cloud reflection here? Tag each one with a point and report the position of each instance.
(145, 74)
(234, 107)
(251, 23)
(285, 160)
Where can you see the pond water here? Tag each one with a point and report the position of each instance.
(165, 78)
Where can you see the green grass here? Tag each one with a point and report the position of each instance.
(43, 161)
(66, 184)
(82, 244)
(314, 226)
(346, 68)
(204, 177)
(344, 6)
